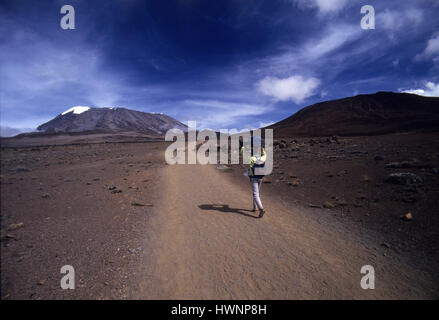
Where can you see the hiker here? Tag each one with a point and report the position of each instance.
(256, 171)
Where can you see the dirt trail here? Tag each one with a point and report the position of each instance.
(207, 245)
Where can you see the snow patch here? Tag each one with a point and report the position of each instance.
(76, 110)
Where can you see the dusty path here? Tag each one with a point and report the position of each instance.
(205, 244)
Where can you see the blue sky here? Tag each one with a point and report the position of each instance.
(226, 64)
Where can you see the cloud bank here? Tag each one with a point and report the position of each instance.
(294, 88)
(429, 90)
(323, 6)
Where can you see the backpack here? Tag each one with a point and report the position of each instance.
(259, 167)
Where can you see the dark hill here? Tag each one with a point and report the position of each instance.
(371, 114)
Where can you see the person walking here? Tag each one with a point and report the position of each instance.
(256, 171)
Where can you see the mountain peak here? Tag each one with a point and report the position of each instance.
(110, 120)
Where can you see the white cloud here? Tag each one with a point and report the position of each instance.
(248, 128)
(295, 88)
(430, 90)
(432, 46)
(395, 22)
(323, 6)
(263, 124)
(315, 54)
(6, 131)
(432, 49)
(235, 130)
(219, 114)
(336, 37)
(392, 20)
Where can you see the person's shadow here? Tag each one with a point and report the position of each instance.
(226, 208)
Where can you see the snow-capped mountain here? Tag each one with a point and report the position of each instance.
(86, 119)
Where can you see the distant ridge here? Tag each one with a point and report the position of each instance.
(366, 114)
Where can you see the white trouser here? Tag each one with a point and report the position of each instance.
(256, 186)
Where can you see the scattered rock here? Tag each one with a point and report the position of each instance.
(407, 217)
(314, 206)
(410, 194)
(404, 178)
(15, 226)
(41, 282)
(116, 191)
(45, 196)
(399, 165)
(361, 196)
(141, 204)
(378, 158)
(341, 203)
(328, 205)
(21, 169)
(224, 168)
(67, 180)
(294, 183)
(385, 245)
(333, 158)
(133, 251)
(357, 205)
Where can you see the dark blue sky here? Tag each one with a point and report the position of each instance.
(226, 64)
